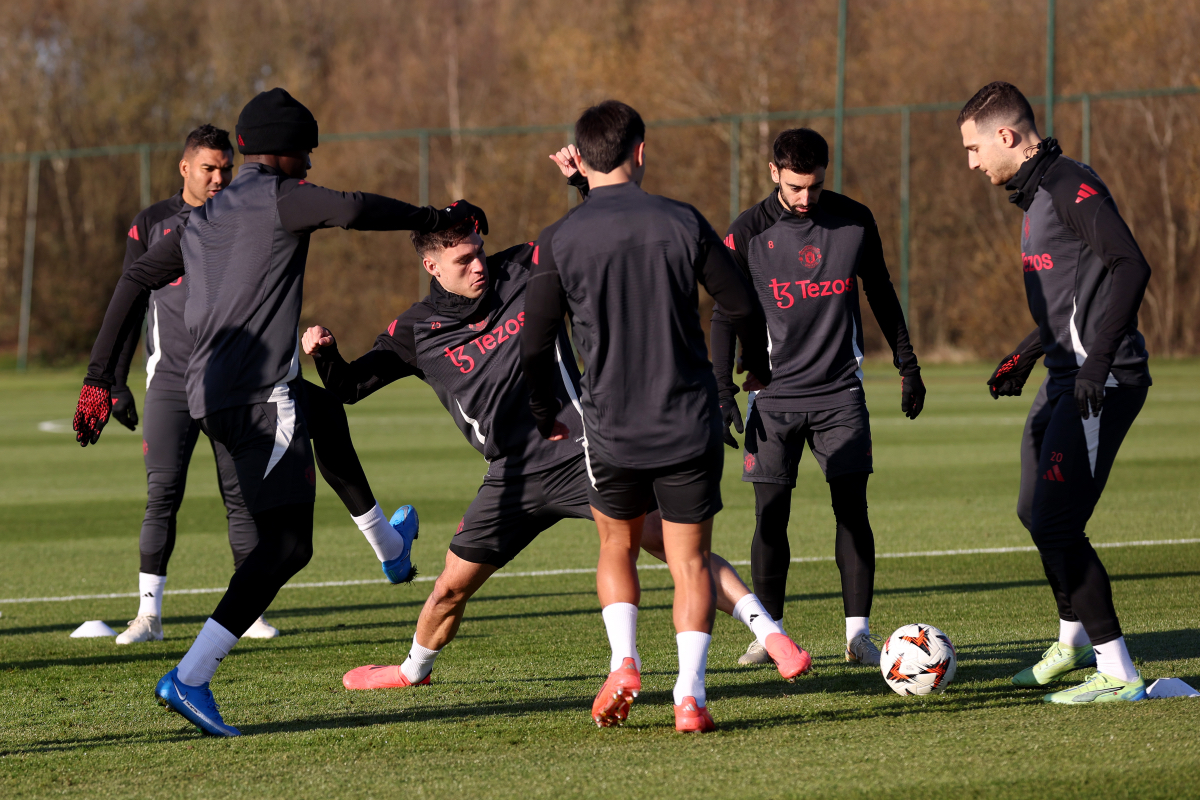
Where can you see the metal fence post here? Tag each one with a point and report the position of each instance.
(905, 168)
(31, 205)
(1086, 125)
(423, 169)
(1050, 67)
(839, 104)
(144, 164)
(423, 199)
(735, 168)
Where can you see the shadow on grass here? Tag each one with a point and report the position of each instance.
(994, 586)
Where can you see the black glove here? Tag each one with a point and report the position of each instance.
(1089, 393)
(1009, 378)
(456, 212)
(91, 413)
(124, 410)
(731, 415)
(912, 394)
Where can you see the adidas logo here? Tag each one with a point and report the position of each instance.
(148, 594)
(1085, 192)
(1054, 474)
(729, 242)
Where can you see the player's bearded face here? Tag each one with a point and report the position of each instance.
(462, 268)
(799, 191)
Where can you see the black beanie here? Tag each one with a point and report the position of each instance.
(275, 122)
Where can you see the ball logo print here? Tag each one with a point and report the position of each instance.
(810, 256)
(918, 659)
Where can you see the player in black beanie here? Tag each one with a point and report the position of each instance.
(245, 252)
(275, 122)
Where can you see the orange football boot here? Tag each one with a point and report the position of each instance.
(791, 659)
(612, 704)
(690, 718)
(375, 677)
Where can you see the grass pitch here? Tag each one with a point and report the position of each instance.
(507, 715)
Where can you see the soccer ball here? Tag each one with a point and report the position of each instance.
(918, 659)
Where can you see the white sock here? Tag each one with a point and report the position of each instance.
(857, 625)
(150, 587)
(693, 661)
(380, 534)
(620, 621)
(419, 662)
(1112, 658)
(750, 612)
(1072, 633)
(211, 646)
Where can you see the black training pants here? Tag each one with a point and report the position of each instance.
(1065, 462)
(169, 436)
(854, 544)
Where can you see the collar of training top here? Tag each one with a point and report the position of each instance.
(455, 305)
(1025, 183)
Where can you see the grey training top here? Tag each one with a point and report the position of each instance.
(244, 253)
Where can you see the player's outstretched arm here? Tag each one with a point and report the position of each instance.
(305, 207)
(161, 264)
(1009, 378)
(351, 382)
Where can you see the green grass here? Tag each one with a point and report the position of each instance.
(507, 715)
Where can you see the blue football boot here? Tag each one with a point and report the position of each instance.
(193, 703)
(400, 569)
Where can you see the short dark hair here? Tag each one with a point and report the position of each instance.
(606, 134)
(1000, 103)
(440, 240)
(208, 137)
(801, 150)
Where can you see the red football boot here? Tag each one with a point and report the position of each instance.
(612, 704)
(690, 718)
(791, 659)
(375, 677)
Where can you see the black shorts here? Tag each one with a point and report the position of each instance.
(840, 440)
(270, 449)
(686, 493)
(509, 512)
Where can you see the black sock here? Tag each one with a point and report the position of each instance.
(770, 553)
(855, 544)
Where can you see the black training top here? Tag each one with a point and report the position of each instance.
(469, 352)
(168, 343)
(627, 266)
(244, 252)
(806, 270)
(1084, 272)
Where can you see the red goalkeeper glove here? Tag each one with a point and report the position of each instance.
(91, 414)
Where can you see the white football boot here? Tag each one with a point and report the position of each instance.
(755, 654)
(863, 650)
(261, 629)
(144, 628)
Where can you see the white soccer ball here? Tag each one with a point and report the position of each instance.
(918, 659)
